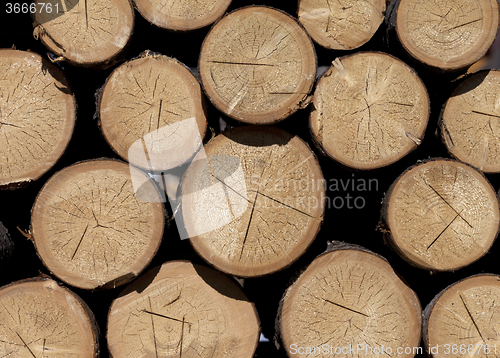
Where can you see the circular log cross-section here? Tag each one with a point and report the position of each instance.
(151, 112)
(447, 35)
(463, 320)
(93, 228)
(349, 298)
(84, 32)
(441, 215)
(370, 110)
(470, 120)
(39, 318)
(37, 116)
(257, 65)
(182, 15)
(256, 204)
(182, 310)
(341, 25)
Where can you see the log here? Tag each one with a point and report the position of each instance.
(41, 319)
(462, 319)
(468, 121)
(349, 298)
(441, 215)
(181, 15)
(37, 116)
(182, 310)
(341, 25)
(256, 204)
(447, 36)
(370, 110)
(257, 65)
(92, 33)
(151, 112)
(92, 227)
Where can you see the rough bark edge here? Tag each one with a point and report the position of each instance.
(327, 73)
(6, 243)
(46, 66)
(321, 219)
(92, 320)
(129, 288)
(383, 224)
(145, 54)
(303, 103)
(426, 313)
(39, 31)
(121, 280)
(332, 246)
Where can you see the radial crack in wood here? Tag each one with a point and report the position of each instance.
(182, 310)
(93, 227)
(271, 213)
(370, 110)
(441, 215)
(37, 116)
(252, 52)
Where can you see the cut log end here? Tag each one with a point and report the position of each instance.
(40, 318)
(370, 110)
(97, 224)
(448, 38)
(342, 25)
(442, 215)
(152, 114)
(182, 15)
(257, 65)
(91, 33)
(349, 298)
(461, 320)
(255, 203)
(182, 310)
(37, 116)
(470, 120)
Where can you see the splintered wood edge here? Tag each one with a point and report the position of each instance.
(386, 219)
(333, 252)
(147, 192)
(410, 138)
(41, 286)
(439, 303)
(114, 110)
(332, 32)
(471, 52)
(297, 93)
(314, 225)
(53, 31)
(40, 167)
(180, 22)
(462, 125)
(224, 292)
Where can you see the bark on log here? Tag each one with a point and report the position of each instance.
(182, 310)
(256, 204)
(94, 227)
(441, 215)
(182, 15)
(91, 33)
(41, 319)
(37, 116)
(370, 110)
(340, 25)
(462, 320)
(469, 121)
(151, 112)
(257, 65)
(447, 36)
(349, 297)
(6, 244)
